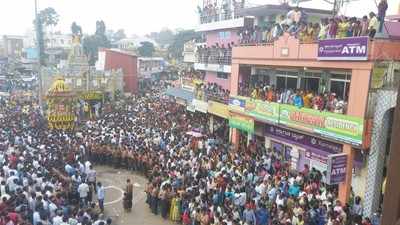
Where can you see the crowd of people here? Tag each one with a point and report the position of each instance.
(211, 91)
(300, 98)
(212, 13)
(44, 176)
(295, 23)
(216, 54)
(47, 176)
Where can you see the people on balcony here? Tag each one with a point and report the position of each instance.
(211, 91)
(299, 98)
(295, 23)
(216, 54)
(212, 13)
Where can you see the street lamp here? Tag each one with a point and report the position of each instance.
(39, 49)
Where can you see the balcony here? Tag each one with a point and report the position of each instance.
(189, 57)
(289, 47)
(343, 128)
(221, 24)
(214, 59)
(147, 72)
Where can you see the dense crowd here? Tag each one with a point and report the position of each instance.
(300, 98)
(47, 176)
(296, 23)
(216, 54)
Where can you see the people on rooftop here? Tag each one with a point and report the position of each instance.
(296, 24)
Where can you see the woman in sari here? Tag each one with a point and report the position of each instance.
(175, 211)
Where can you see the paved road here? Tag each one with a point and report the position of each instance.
(114, 181)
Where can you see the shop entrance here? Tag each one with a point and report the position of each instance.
(282, 150)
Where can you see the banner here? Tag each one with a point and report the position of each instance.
(262, 110)
(354, 48)
(241, 123)
(190, 108)
(340, 127)
(305, 141)
(336, 172)
(91, 95)
(200, 105)
(237, 103)
(218, 109)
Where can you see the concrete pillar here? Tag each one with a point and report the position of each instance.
(211, 124)
(345, 187)
(358, 96)
(235, 137)
(249, 138)
(267, 142)
(376, 158)
(234, 79)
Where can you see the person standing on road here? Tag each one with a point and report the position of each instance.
(100, 196)
(83, 190)
(129, 193)
(91, 176)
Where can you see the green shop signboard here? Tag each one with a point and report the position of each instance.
(343, 128)
(241, 123)
(262, 110)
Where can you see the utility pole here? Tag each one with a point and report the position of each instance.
(391, 200)
(40, 56)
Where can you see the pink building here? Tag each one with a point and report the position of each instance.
(215, 57)
(289, 65)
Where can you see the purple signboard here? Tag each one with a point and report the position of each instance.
(354, 48)
(302, 139)
(336, 172)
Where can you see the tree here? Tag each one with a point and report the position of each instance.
(76, 29)
(46, 17)
(119, 35)
(176, 48)
(146, 49)
(92, 43)
(49, 17)
(164, 37)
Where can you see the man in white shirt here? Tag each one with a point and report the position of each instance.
(83, 190)
(100, 196)
(91, 176)
(57, 220)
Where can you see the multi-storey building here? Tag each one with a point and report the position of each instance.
(13, 45)
(318, 103)
(149, 69)
(356, 75)
(114, 59)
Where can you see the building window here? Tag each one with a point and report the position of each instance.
(340, 85)
(222, 75)
(286, 80)
(224, 35)
(310, 82)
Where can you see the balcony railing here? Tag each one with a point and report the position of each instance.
(209, 95)
(302, 99)
(221, 56)
(212, 13)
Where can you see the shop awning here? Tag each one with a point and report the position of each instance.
(180, 93)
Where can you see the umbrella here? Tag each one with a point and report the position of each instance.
(194, 134)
